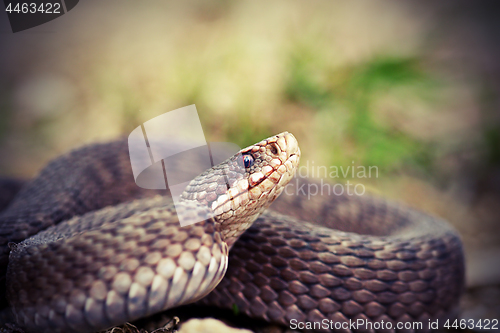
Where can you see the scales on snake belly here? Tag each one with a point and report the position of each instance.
(111, 253)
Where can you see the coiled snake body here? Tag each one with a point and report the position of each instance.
(111, 252)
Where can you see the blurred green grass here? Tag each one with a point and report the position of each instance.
(354, 89)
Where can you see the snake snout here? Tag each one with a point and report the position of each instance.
(292, 146)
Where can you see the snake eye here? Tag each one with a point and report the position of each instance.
(248, 160)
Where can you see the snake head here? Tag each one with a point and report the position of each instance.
(239, 189)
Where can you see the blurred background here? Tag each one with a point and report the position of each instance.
(410, 87)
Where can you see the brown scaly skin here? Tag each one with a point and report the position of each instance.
(388, 263)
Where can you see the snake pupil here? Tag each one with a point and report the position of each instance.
(248, 160)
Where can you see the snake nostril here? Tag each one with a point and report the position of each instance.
(274, 149)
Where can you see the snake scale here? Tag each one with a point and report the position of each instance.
(84, 248)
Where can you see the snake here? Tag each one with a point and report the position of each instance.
(83, 248)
